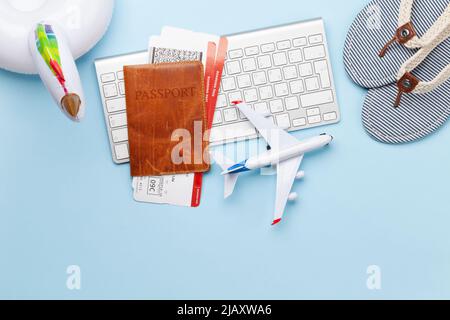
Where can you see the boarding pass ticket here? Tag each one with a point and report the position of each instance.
(179, 190)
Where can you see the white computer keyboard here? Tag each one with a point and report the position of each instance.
(284, 71)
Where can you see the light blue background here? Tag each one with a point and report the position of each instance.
(63, 202)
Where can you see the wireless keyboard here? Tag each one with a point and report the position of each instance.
(282, 71)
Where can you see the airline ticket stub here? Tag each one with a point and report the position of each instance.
(179, 190)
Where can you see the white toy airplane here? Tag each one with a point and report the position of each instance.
(286, 153)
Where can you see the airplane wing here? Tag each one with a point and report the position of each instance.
(276, 137)
(230, 179)
(287, 172)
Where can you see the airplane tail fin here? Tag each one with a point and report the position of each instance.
(230, 184)
(230, 179)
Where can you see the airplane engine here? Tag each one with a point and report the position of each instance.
(293, 196)
(266, 114)
(300, 175)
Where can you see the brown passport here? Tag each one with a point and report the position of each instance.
(166, 118)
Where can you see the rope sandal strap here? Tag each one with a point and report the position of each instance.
(408, 83)
(429, 38)
(406, 34)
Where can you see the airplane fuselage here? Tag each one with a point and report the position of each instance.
(271, 158)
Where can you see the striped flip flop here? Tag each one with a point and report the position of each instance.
(393, 28)
(418, 103)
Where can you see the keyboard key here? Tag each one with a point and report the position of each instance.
(299, 122)
(235, 54)
(264, 62)
(120, 75)
(279, 59)
(305, 69)
(290, 72)
(259, 78)
(244, 81)
(276, 106)
(118, 120)
(314, 119)
(110, 90)
(313, 53)
(221, 101)
(252, 51)
(249, 65)
(297, 86)
(275, 75)
(122, 88)
(234, 131)
(321, 68)
(300, 42)
(250, 95)
(316, 39)
(115, 105)
(283, 45)
(108, 77)
(292, 103)
(262, 108)
(295, 56)
(331, 116)
(283, 121)
(268, 47)
(120, 135)
(230, 114)
(266, 93)
(121, 151)
(228, 84)
(281, 90)
(313, 112)
(235, 96)
(317, 98)
(233, 67)
(312, 84)
(217, 117)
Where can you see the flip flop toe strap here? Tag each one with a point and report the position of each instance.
(406, 34)
(407, 82)
(403, 35)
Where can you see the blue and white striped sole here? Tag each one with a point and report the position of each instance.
(372, 29)
(419, 114)
(417, 117)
